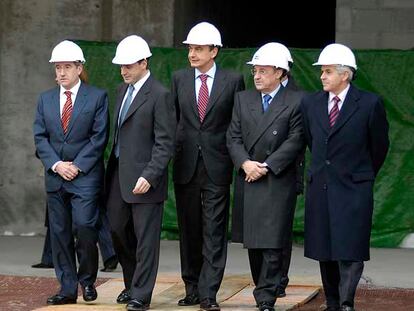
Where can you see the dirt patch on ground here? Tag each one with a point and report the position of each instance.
(19, 293)
(372, 299)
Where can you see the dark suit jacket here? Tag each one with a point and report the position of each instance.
(263, 210)
(300, 161)
(209, 136)
(84, 142)
(146, 139)
(345, 161)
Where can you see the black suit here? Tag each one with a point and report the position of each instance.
(146, 142)
(202, 175)
(339, 196)
(264, 209)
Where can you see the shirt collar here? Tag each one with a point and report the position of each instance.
(140, 82)
(273, 93)
(341, 95)
(73, 90)
(211, 72)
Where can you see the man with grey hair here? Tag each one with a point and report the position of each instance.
(346, 130)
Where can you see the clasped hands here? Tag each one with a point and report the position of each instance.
(254, 170)
(67, 170)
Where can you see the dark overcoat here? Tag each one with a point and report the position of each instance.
(340, 179)
(263, 209)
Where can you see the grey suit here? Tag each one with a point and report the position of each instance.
(263, 209)
(202, 176)
(146, 142)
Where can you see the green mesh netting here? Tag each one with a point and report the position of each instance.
(386, 72)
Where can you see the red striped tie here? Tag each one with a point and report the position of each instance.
(203, 97)
(334, 113)
(67, 111)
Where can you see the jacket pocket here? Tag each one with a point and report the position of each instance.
(363, 176)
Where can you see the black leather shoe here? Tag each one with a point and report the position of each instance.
(266, 306)
(137, 305)
(42, 265)
(89, 293)
(209, 304)
(347, 308)
(60, 300)
(110, 264)
(280, 292)
(189, 300)
(124, 296)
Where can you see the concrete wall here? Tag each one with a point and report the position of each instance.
(375, 24)
(28, 31)
(30, 28)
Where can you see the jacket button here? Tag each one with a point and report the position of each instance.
(325, 186)
(326, 141)
(328, 162)
(267, 152)
(274, 132)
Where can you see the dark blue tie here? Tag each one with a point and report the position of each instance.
(266, 102)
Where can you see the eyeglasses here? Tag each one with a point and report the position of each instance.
(262, 72)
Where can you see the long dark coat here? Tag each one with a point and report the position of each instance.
(263, 210)
(344, 163)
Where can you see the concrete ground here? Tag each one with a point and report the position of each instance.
(387, 267)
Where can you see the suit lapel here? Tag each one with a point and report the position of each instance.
(189, 86)
(321, 108)
(219, 83)
(139, 99)
(55, 110)
(80, 102)
(277, 106)
(349, 107)
(255, 107)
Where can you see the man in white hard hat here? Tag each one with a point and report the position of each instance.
(288, 82)
(347, 134)
(264, 139)
(202, 173)
(70, 133)
(137, 172)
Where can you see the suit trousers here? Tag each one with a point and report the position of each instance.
(340, 280)
(136, 230)
(73, 214)
(202, 212)
(265, 267)
(286, 257)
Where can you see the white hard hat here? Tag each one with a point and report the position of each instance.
(204, 34)
(270, 55)
(67, 51)
(336, 54)
(130, 50)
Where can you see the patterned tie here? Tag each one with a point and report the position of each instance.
(266, 102)
(126, 105)
(333, 115)
(67, 111)
(203, 97)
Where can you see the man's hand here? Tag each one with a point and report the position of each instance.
(67, 170)
(254, 170)
(142, 186)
